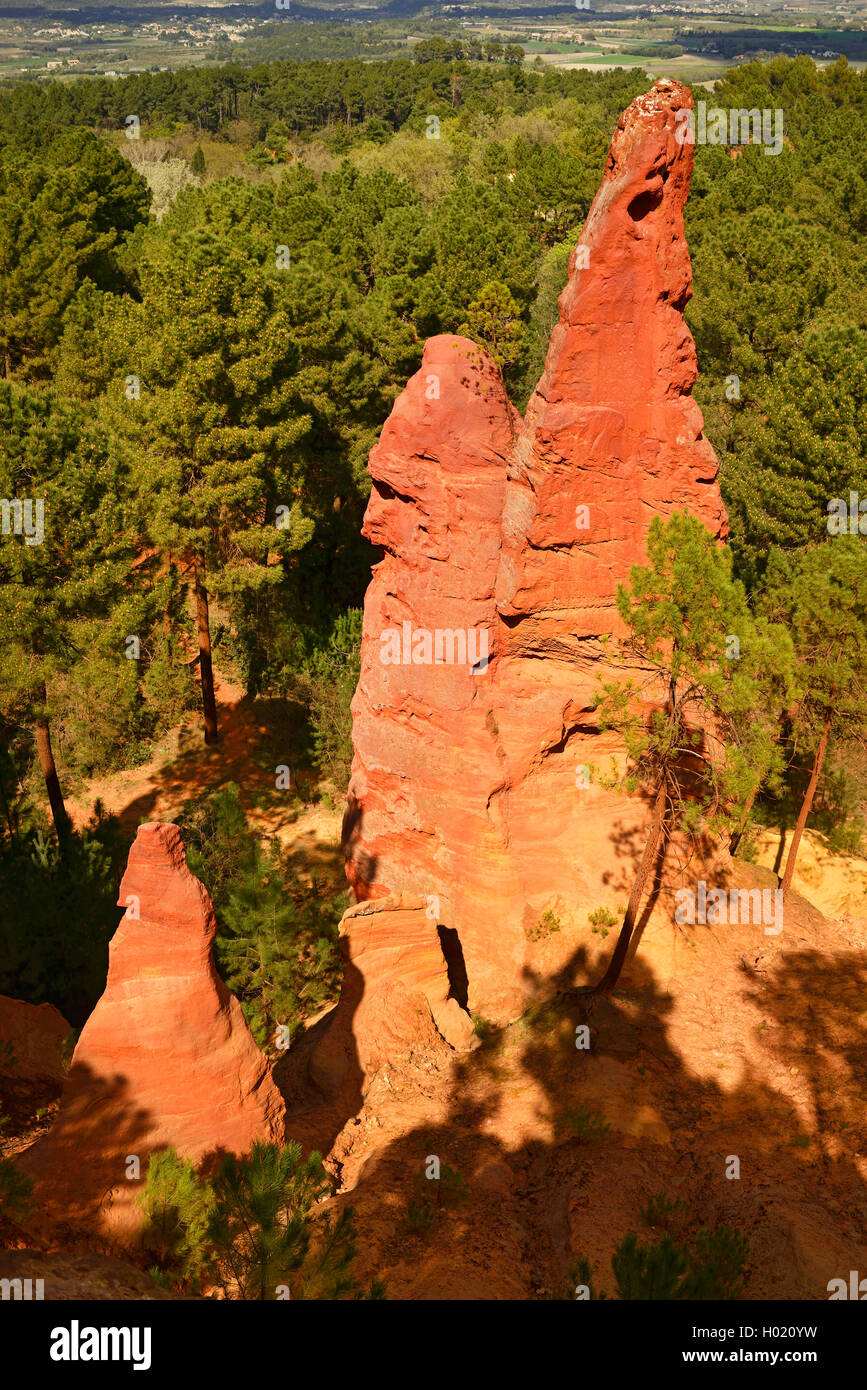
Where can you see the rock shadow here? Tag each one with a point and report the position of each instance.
(542, 1188)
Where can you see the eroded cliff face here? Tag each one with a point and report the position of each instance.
(505, 540)
(166, 1057)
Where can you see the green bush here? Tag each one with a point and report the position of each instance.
(251, 1229)
(58, 912)
(708, 1266)
(670, 1213)
(327, 685)
(176, 1207)
(585, 1124)
(277, 947)
(483, 1027)
(277, 938)
(547, 924)
(602, 917)
(420, 1217)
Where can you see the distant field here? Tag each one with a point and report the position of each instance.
(691, 67)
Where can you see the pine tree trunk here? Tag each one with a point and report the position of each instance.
(806, 806)
(206, 668)
(612, 974)
(167, 610)
(52, 781)
(739, 833)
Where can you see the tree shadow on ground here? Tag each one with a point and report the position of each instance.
(82, 1179)
(257, 736)
(540, 1191)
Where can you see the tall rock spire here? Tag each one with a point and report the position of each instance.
(469, 783)
(612, 435)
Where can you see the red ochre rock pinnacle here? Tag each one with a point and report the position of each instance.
(504, 542)
(166, 1057)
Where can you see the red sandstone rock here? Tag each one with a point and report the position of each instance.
(438, 484)
(166, 1057)
(611, 426)
(394, 1000)
(466, 784)
(31, 1041)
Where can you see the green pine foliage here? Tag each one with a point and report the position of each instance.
(584, 1124)
(820, 595)
(327, 684)
(712, 1267)
(494, 322)
(67, 207)
(711, 667)
(275, 951)
(685, 1263)
(689, 623)
(251, 1228)
(58, 912)
(781, 303)
(70, 601)
(176, 1208)
(277, 938)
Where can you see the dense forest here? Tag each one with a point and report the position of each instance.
(196, 364)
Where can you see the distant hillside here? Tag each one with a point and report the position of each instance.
(359, 9)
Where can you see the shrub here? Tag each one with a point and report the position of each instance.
(420, 1217)
(176, 1207)
(483, 1028)
(578, 1274)
(251, 1229)
(277, 947)
(585, 1124)
(602, 918)
(547, 924)
(327, 685)
(277, 938)
(58, 912)
(15, 1189)
(709, 1266)
(218, 840)
(670, 1213)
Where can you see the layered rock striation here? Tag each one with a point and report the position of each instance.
(504, 541)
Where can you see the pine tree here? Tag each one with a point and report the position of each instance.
(260, 1225)
(260, 948)
(177, 1207)
(66, 589)
(276, 938)
(494, 321)
(210, 419)
(251, 1228)
(65, 211)
(197, 163)
(821, 595)
(698, 754)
